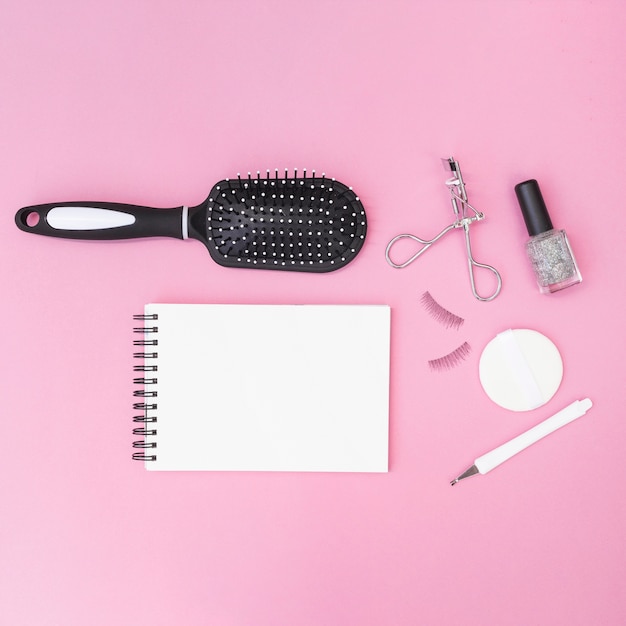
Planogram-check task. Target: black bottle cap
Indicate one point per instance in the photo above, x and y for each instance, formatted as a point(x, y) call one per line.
point(533, 207)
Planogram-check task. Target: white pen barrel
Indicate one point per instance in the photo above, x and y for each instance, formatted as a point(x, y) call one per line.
point(504, 452)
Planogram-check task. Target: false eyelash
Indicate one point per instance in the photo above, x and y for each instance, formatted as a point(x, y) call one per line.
point(451, 360)
point(445, 317)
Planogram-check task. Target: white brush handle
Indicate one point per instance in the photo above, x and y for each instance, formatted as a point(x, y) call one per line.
point(499, 455)
point(87, 218)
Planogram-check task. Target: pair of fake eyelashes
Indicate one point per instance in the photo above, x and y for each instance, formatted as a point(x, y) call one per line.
point(449, 320)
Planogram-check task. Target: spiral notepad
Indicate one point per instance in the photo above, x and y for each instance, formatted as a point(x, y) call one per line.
point(262, 387)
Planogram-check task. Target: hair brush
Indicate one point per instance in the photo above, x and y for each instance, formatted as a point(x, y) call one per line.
point(299, 223)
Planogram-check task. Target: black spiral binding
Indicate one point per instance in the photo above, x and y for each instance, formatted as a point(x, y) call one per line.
point(147, 419)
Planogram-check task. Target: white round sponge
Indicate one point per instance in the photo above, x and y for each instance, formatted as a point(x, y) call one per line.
point(520, 369)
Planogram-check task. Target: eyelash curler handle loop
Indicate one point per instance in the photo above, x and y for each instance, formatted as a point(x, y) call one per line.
point(426, 243)
point(472, 264)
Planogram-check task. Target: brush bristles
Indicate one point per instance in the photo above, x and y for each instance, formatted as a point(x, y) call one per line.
point(292, 222)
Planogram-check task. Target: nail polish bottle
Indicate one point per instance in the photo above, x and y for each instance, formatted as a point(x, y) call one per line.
point(548, 248)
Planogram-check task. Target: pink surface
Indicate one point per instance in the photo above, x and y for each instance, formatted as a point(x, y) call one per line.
point(153, 102)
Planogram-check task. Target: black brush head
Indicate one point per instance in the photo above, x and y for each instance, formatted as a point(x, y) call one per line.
point(307, 224)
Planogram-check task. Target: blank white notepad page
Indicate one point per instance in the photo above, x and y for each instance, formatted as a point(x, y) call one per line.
point(272, 387)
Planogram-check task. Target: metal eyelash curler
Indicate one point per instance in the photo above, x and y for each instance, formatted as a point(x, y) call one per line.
point(458, 197)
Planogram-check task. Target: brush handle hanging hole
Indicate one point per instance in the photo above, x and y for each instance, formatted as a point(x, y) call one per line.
point(31, 219)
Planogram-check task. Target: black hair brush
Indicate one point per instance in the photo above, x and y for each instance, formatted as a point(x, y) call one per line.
point(306, 224)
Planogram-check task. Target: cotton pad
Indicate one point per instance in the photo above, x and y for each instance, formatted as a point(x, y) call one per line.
point(520, 369)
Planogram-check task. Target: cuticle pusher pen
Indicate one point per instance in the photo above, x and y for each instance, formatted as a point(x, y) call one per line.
point(489, 461)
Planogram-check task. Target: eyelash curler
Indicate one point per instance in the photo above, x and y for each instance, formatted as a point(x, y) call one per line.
point(462, 219)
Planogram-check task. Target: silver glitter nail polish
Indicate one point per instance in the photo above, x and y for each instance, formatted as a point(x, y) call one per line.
point(548, 249)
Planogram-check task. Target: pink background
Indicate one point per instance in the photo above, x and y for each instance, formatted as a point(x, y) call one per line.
point(153, 102)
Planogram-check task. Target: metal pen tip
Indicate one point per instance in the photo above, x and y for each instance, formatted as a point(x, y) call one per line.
point(471, 471)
